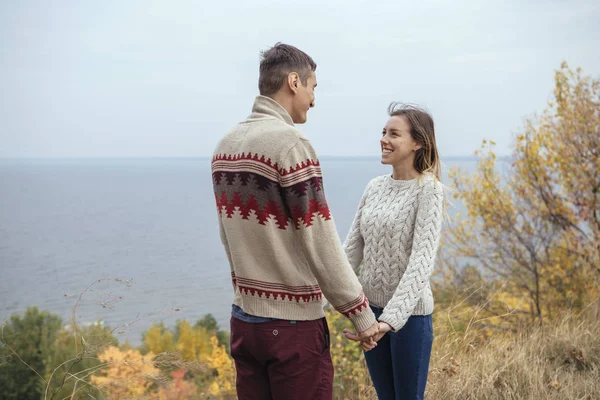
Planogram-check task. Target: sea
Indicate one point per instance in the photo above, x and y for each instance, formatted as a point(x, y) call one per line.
point(131, 242)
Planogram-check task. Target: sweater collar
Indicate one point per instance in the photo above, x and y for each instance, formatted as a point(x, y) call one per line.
point(267, 106)
point(402, 184)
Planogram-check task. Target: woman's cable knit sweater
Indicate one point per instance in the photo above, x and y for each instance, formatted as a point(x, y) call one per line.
point(396, 232)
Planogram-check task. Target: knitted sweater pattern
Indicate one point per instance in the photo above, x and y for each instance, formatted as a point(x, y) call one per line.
point(279, 236)
point(395, 235)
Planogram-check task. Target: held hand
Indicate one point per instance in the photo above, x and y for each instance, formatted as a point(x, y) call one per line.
point(367, 334)
point(372, 342)
point(384, 328)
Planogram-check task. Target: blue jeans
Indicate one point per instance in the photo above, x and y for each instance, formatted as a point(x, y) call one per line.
point(399, 363)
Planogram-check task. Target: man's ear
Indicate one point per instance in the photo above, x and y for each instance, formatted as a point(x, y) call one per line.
point(293, 81)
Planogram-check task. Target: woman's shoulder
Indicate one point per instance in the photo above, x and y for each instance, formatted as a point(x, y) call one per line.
point(378, 179)
point(376, 182)
point(430, 184)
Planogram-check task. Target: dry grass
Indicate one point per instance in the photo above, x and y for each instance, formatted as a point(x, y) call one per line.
point(557, 361)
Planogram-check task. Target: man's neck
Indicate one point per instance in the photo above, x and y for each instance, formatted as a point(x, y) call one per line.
point(283, 100)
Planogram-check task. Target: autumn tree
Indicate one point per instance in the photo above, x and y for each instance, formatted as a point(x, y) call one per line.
point(198, 350)
point(536, 228)
point(158, 339)
point(126, 374)
point(68, 372)
point(223, 384)
point(209, 323)
point(193, 343)
point(179, 388)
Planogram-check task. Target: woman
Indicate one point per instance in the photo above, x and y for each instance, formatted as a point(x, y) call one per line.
point(396, 233)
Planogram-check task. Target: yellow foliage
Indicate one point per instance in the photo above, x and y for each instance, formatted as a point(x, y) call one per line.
point(193, 342)
point(351, 379)
point(536, 229)
point(158, 339)
point(224, 380)
point(127, 374)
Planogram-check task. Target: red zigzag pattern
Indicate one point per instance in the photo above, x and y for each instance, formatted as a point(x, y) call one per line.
point(267, 162)
point(278, 291)
point(271, 209)
point(303, 190)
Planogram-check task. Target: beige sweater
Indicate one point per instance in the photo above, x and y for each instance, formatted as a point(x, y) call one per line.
point(396, 233)
point(279, 236)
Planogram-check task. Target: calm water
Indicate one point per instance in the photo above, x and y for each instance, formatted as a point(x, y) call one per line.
point(65, 224)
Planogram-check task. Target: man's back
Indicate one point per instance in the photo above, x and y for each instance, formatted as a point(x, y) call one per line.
point(268, 189)
point(281, 242)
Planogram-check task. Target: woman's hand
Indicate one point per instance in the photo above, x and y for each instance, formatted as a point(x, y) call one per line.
point(371, 343)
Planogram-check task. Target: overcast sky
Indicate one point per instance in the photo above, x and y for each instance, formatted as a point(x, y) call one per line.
point(169, 78)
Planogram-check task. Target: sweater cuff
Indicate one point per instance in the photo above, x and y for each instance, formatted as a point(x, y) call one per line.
point(392, 320)
point(363, 320)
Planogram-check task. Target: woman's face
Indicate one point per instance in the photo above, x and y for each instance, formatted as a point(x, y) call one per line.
point(397, 144)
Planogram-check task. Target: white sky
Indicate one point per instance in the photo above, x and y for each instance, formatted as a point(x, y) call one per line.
point(169, 78)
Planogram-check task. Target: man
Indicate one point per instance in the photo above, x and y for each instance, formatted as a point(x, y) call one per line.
point(281, 242)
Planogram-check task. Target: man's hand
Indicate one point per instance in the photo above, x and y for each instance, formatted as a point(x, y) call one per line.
point(364, 336)
point(370, 343)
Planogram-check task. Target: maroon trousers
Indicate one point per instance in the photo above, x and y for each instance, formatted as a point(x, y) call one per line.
point(282, 360)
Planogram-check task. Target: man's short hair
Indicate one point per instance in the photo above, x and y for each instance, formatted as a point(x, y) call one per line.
point(278, 62)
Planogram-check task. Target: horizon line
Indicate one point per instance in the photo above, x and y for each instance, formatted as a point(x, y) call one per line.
point(202, 157)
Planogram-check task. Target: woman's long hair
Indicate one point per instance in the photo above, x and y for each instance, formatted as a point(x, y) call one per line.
point(422, 131)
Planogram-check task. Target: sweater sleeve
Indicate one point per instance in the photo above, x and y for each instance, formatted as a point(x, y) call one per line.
point(426, 239)
point(354, 244)
point(303, 195)
point(225, 242)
